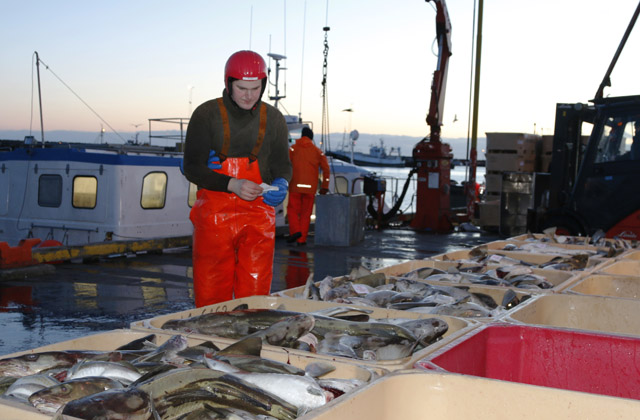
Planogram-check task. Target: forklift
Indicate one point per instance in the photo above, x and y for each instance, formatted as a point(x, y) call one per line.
point(593, 182)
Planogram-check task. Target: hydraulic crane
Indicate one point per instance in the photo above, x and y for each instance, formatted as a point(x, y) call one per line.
point(432, 158)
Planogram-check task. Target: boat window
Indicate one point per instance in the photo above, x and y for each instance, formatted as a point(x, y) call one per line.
point(85, 192)
point(342, 185)
point(154, 190)
point(193, 190)
point(50, 190)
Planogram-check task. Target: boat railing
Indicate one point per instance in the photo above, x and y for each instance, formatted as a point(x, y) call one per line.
point(182, 122)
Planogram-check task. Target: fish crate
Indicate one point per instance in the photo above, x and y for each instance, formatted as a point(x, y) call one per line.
point(111, 340)
point(456, 326)
point(607, 285)
point(631, 254)
point(556, 277)
point(573, 240)
point(622, 267)
point(553, 248)
point(588, 362)
point(416, 394)
point(536, 260)
point(586, 313)
point(489, 212)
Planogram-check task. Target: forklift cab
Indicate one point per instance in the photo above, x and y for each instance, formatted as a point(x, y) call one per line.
point(606, 191)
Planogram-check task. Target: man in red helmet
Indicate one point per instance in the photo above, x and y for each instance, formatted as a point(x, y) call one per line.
point(307, 159)
point(235, 146)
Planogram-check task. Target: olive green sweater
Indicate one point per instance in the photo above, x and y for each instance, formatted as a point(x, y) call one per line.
point(205, 133)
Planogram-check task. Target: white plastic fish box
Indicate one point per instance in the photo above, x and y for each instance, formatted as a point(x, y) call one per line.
point(555, 277)
point(457, 326)
point(631, 254)
point(111, 340)
point(622, 267)
point(415, 394)
point(607, 285)
point(550, 248)
point(564, 239)
point(588, 313)
point(503, 257)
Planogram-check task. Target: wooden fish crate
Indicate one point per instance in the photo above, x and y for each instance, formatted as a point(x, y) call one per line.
point(565, 239)
point(457, 326)
point(418, 394)
point(587, 313)
point(107, 341)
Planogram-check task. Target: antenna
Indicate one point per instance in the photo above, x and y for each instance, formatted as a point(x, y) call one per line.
point(277, 58)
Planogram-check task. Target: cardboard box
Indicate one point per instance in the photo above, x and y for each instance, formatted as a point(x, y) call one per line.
point(106, 341)
point(418, 394)
point(578, 361)
point(457, 326)
point(520, 143)
point(489, 213)
point(587, 313)
point(508, 162)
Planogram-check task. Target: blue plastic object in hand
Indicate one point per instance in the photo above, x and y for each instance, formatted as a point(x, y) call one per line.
point(214, 161)
point(182, 166)
point(273, 198)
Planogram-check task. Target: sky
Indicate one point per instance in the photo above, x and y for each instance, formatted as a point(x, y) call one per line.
point(114, 65)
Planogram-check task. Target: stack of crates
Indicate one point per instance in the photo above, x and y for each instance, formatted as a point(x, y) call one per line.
point(505, 153)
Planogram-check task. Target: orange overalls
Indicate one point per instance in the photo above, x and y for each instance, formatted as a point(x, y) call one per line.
point(233, 239)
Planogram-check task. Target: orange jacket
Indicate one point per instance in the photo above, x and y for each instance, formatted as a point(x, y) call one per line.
point(307, 159)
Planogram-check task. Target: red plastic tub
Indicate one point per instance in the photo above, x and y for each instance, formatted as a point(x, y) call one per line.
point(574, 360)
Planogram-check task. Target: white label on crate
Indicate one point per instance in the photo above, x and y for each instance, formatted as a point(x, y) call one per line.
point(495, 258)
point(361, 289)
point(434, 180)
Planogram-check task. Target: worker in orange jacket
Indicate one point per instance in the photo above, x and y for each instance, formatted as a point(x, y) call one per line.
point(306, 159)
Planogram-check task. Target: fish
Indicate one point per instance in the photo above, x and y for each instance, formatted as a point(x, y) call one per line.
point(167, 352)
point(427, 330)
point(324, 325)
point(139, 343)
point(190, 388)
point(287, 331)
point(50, 399)
point(125, 373)
point(232, 324)
point(208, 412)
point(33, 363)
point(22, 388)
point(112, 404)
point(301, 391)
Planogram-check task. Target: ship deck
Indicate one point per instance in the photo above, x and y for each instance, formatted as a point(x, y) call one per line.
point(81, 297)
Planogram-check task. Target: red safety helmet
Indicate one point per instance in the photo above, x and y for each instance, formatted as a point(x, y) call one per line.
point(245, 65)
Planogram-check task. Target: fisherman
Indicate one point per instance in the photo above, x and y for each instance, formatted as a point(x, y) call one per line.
point(236, 146)
point(306, 159)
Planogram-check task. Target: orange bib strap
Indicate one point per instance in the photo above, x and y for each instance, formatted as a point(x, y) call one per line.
point(261, 131)
point(226, 131)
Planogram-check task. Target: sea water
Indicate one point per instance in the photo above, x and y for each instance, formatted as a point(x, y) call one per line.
point(396, 177)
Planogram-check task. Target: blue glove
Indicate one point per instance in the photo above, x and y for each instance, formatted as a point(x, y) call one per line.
point(214, 161)
point(182, 166)
point(273, 198)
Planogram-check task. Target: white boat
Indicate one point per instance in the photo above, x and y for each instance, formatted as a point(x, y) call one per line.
point(78, 194)
point(377, 156)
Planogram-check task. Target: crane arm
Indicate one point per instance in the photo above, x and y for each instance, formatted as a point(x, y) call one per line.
point(439, 83)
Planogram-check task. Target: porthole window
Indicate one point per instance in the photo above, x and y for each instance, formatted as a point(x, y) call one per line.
point(50, 190)
point(85, 192)
point(154, 190)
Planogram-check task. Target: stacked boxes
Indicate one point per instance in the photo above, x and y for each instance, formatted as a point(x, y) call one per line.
point(505, 153)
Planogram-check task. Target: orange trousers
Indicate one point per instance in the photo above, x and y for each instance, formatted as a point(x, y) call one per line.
point(299, 211)
point(233, 241)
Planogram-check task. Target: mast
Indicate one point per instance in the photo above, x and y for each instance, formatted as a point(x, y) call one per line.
point(39, 96)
